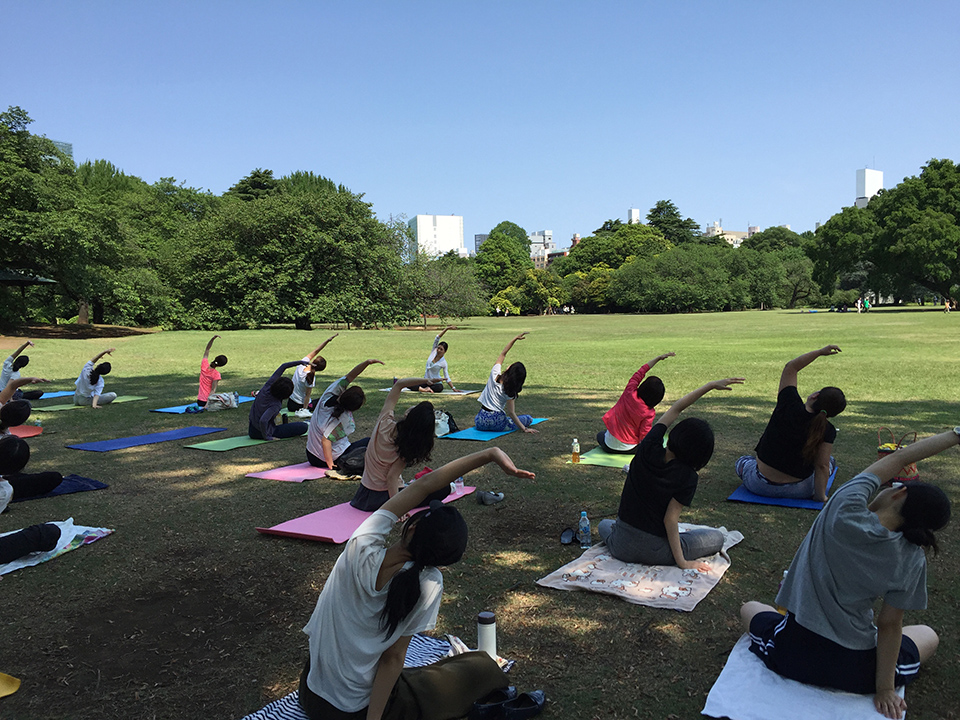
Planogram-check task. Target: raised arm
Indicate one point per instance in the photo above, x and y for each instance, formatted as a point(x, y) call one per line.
point(671, 415)
point(391, 402)
point(448, 327)
point(206, 353)
point(658, 358)
point(788, 377)
point(889, 465)
point(415, 493)
point(279, 371)
point(503, 355)
point(7, 393)
point(105, 352)
point(321, 346)
point(355, 373)
point(28, 343)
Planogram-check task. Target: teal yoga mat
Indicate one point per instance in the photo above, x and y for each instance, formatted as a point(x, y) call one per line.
point(598, 456)
point(483, 435)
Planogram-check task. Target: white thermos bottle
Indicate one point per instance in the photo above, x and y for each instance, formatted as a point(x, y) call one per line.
point(487, 633)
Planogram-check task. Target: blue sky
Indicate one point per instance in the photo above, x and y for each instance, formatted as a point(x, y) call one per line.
point(554, 115)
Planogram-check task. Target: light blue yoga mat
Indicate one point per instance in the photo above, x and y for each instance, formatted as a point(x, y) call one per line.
point(181, 409)
point(483, 435)
point(152, 438)
point(56, 394)
point(741, 494)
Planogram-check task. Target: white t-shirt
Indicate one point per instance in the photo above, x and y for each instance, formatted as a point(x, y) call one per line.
point(436, 370)
point(346, 640)
point(84, 388)
point(324, 425)
point(300, 383)
point(493, 397)
point(6, 494)
point(8, 373)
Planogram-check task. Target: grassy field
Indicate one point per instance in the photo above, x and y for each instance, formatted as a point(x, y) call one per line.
point(186, 612)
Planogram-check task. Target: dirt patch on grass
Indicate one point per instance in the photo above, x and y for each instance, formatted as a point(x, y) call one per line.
point(14, 336)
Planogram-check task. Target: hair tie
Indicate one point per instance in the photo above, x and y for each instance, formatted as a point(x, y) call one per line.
point(824, 412)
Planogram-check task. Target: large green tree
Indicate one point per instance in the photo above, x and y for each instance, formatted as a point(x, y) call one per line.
point(612, 249)
point(514, 231)
point(665, 217)
point(501, 262)
point(773, 239)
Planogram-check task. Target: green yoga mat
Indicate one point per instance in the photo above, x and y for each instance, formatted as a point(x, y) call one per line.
point(232, 443)
point(71, 406)
point(598, 457)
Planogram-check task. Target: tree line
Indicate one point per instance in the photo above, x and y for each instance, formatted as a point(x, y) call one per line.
point(301, 249)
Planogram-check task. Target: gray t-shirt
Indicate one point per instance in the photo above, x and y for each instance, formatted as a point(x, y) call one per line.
point(847, 561)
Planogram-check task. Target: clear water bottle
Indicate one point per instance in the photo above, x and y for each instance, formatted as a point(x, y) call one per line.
point(37, 422)
point(458, 486)
point(584, 530)
point(575, 451)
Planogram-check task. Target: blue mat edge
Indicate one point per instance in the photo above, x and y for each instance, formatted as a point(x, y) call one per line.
point(175, 434)
point(182, 409)
point(90, 484)
point(741, 494)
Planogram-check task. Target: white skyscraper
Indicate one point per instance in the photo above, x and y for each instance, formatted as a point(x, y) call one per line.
point(869, 183)
point(438, 234)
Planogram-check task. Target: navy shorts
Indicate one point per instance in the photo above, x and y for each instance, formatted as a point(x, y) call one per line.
point(790, 650)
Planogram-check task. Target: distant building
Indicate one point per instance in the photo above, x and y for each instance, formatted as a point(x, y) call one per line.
point(541, 244)
point(478, 240)
point(633, 216)
point(869, 183)
point(734, 237)
point(438, 234)
point(64, 147)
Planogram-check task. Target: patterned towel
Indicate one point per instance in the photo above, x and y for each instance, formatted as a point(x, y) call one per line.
point(654, 585)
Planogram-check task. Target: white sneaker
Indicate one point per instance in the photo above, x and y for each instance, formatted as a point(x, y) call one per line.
point(304, 413)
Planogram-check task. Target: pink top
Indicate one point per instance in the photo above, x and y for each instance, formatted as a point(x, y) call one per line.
point(382, 463)
point(207, 376)
point(631, 418)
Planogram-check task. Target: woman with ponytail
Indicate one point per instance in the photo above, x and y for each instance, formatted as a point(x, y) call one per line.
point(332, 419)
point(90, 383)
point(209, 374)
point(378, 596)
point(859, 549)
point(394, 445)
point(795, 453)
point(498, 400)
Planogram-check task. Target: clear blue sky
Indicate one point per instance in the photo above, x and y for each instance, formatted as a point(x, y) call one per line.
point(554, 115)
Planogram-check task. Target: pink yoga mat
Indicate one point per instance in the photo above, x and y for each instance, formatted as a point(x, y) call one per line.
point(291, 473)
point(334, 524)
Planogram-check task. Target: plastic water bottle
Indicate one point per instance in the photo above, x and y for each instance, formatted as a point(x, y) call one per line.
point(458, 486)
point(37, 422)
point(780, 609)
point(575, 451)
point(584, 528)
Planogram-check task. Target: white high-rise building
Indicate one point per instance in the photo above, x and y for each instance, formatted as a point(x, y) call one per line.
point(438, 234)
point(633, 216)
point(869, 183)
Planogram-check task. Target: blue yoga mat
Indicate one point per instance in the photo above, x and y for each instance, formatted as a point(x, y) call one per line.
point(127, 442)
point(483, 435)
point(181, 409)
point(741, 494)
point(70, 484)
point(57, 394)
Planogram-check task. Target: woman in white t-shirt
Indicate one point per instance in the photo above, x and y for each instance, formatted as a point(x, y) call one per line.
point(436, 369)
point(378, 596)
point(90, 383)
point(497, 401)
point(331, 424)
point(304, 378)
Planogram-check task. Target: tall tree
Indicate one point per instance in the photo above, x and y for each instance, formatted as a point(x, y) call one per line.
point(612, 249)
point(514, 231)
point(501, 262)
point(258, 184)
point(665, 217)
point(773, 239)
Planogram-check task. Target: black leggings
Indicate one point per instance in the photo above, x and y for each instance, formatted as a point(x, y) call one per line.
point(35, 538)
point(26, 485)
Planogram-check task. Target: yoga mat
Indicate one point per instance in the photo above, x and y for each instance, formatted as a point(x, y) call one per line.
point(334, 524)
point(71, 484)
point(482, 435)
point(55, 394)
point(741, 494)
point(445, 391)
point(599, 456)
point(747, 690)
point(291, 473)
point(58, 408)
point(661, 586)
point(231, 443)
point(71, 537)
point(151, 439)
point(26, 431)
point(182, 409)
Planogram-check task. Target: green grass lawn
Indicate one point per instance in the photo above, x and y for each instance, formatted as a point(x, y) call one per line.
point(186, 612)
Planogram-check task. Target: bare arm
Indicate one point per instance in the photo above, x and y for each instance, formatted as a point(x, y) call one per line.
point(388, 672)
point(889, 634)
point(391, 402)
point(671, 522)
point(206, 353)
point(503, 355)
point(658, 358)
point(788, 377)
point(512, 413)
point(213, 386)
point(415, 493)
point(327, 451)
point(355, 373)
point(888, 466)
point(7, 393)
point(821, 472)
point(322, 346)
point(28, 343)
point(105, 352)
point(671, 415)
point(448, 327)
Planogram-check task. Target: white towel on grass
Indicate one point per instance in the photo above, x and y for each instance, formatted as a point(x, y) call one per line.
point(748, 690)
point(71, 537)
